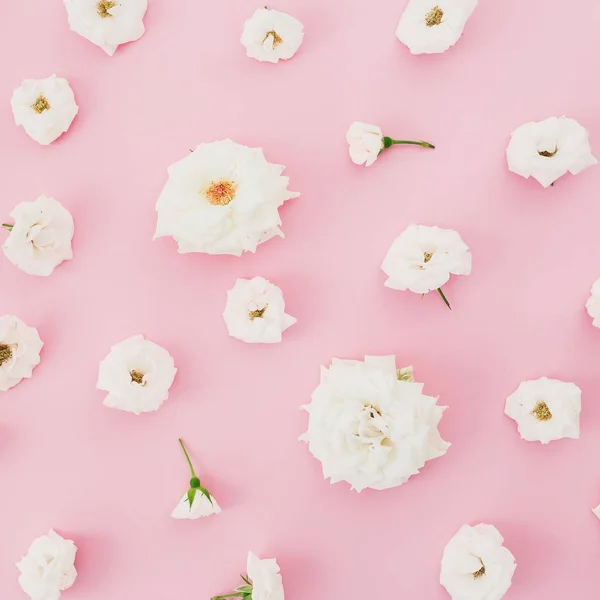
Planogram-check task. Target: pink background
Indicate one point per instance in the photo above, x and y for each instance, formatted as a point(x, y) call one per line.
point(109, 480)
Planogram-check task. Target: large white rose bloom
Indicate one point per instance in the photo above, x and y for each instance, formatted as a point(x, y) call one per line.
point(223, 198)
point(137, 375)
point(20, 348)
point(475, 564)
point(48, 568)
point(107, 23)
point(593, 304)
point(40, 238)
point(267, 583)
point(370, 425)
point(44, 107)
point(545, 410)
point(433, 26)
point(548, 149)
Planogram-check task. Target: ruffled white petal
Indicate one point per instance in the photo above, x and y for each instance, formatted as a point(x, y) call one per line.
point(266, 579)
point(201, 507)
point(365, 142)
point(593, 304)
point(20, 348)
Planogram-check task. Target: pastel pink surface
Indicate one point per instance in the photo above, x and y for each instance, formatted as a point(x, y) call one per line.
point(109, 480)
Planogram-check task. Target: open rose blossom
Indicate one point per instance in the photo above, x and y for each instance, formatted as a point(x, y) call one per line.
point(137, 374)
point(593, 304)
point(40, 238)
point(107, 23)
point(20, 348)
point(44, 107)
point(371, 425)
point(223, 198)
point(433, 26)
point(475, 564)
point(548, 149)
point(545, 410)
point(48, 568)
point(271, 36)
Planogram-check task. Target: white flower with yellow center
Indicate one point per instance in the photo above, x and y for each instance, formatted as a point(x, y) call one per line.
point(40, 238)
point(422, 258)
point(107, 23)
point(371, 425)
point(20, 348)
point(547, 150)
point(593, 304)
point(545, 410)
point(271, 36)
point(433, 26)
point(137, 374)
point(223, 198)
point(45, 108)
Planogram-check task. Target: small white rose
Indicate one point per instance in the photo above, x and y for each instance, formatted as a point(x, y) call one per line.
point(255, 311)
point(548, 149)
point(40, 238)
point(433, 26)
point(596, 511)
point(371, 425)
point(20, 348)
point(593, 304)
point(422, 258)
point(48, 568)
point(271, 36)
point(223, 198)
point(137, 374)
point(545, 410)
point(107, 23)
point(476, 565)
point(44, 107)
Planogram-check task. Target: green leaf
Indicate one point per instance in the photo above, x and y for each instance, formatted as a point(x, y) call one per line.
point(191, 495)
point(244, 589)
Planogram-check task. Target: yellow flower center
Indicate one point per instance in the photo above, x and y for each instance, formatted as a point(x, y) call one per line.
point(5, 353)
point(547, 154)
point(136, 377)
point(276, 38)
point(259, 313)
point(104, 7)
point(427, 256)
point(541, 412)
point(41, 104)
point(434, 16)
point(479, 573)
point(221, 193)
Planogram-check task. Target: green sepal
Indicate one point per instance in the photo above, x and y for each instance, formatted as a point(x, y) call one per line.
point(206, 493)
point(244, 589)
point(191, 494)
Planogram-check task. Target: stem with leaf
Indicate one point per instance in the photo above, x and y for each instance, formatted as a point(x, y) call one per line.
point(195, 485)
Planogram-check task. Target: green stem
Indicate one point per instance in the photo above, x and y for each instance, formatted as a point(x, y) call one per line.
point(388, 141)
point(187, 456)
point(236, 595)
point(444, 298)
point(7, 226)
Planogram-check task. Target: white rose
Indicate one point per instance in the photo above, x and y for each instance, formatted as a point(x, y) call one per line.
point(107, 24)
point(271, 36)
point(368, 427)
point(596, 511)
point(48, 568)
point(19, 351)
point(201, 507)
point(475, 564)
point(267, 583)
point(593, 304)
point(223, 198)
point(548, 149)
point(433, 26)
point(422, 258)
point(44, 107)
point(545, 410)
point(137, 375)
point(255, 311)
point(40, 238)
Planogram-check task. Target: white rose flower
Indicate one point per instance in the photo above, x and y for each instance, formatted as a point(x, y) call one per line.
point(20, 348)
point(422, 258)
point(546, 150)
point(40, 238)
point(48, 568)
point(596, 511)
point(433, 26)
point(475, 564)
point(107, 24)
point(255, 311)
point(593, 304)
point(223, 198)
point(44, 107)
point(271, 36)
point(137, 375)
point(264, 582)
point(366, 142)
point(545, 410)
point(370, 425)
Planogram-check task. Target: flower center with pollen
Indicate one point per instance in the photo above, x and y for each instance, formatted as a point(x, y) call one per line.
point(220, 193)
point(427, 256)
point(104, 7)
point(434, 16)
point(41, 104)
point(479, 573)
point(276, 39)
point(548, 154)
point(259, 313)
point(5, 353)
point(541, 412)
point(137, 377)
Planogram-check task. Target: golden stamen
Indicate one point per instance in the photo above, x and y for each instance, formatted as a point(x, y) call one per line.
point(41, 104)
point(427, 256)
point(541, 412)
point(5, 353)
point(547, 154)
point(276, 38)
point(259, 313)
point(479, 573)
point(434, 16)
point(103, 8)
point(137, 377)
point(221, 193)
